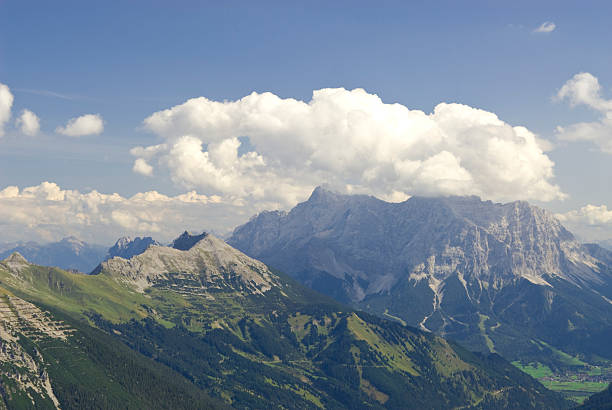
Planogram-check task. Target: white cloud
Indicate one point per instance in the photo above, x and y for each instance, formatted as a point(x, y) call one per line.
point(350, 140)
point(6, 102)
point(48, 212)
point(546, 27)
point(591, 222)
point(141, 167)
point(88, 124)
point(28, 123)
point(584, 89)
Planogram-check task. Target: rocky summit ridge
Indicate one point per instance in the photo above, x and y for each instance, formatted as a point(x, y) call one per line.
point(196, 263)
point(126, 246)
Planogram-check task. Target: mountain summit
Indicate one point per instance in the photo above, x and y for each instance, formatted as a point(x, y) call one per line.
point(195, 263)
point(126, 247)
point(187, 240)
point(493, 276)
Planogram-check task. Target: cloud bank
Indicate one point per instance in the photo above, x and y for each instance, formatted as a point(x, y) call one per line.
point(47, 212)
point(591, 221)
point(349, 140)
point(6, 102)
point(28, 123)
point(88, 124)
point(584, 89)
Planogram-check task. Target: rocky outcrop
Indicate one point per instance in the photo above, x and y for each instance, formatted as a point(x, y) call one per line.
point(187, 240)
point(25, 368)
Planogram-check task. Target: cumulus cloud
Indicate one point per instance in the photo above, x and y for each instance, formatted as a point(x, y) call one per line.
point(48, 212)
point(28, 123)
point(88, 124)
point(6, 102)
point(546, 27)
point(591, 222)
point(141, 167)
point(584, 89)
point(349, 140)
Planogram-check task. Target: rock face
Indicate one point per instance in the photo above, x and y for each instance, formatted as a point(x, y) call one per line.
point(480, 272)
point(127, 247)
point(198, 264)
point(24, 369)
point(69, 253)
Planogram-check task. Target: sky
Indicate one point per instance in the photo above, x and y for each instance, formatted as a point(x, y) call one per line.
point(148, 118)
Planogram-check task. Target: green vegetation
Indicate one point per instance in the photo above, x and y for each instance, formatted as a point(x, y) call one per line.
point(599, 401)
point(576, 385)
point(562, 356)
point(483, 331)
point(535, 370)
point(287, 348)
point(77, 293)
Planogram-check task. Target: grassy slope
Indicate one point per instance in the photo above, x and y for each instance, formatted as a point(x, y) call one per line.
point(277, 349)
point(91, 369)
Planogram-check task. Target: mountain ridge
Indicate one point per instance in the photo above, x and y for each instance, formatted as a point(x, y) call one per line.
point(253, 347)
point(68, 253)
point(494, 277)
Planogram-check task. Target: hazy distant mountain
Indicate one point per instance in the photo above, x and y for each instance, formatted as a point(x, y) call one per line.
point(69, 253)
point(126, 247)
point(496, 277)
point(605, 244)
point(237, 331)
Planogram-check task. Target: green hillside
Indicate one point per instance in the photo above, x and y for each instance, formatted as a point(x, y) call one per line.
point(286, 347)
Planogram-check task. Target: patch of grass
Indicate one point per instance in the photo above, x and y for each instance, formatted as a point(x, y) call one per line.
point(77, 293)
point(587, 387)
point(394, 354)
point(535, 370)
point(483, 332)
point(563, 357)
point(298, 325)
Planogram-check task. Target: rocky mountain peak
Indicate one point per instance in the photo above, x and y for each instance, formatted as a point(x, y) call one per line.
point(15, 262)
point(16, 257)
point(127, 247)
point(321, 193)
point(201, 264)
point(187, 240)
point(496, 241)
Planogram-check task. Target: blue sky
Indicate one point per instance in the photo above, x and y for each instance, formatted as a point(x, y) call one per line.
point(128, 60)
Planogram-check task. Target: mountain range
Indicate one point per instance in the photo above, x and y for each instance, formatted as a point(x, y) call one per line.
point(73, 254)
point(202, 325)
point(505, 278)
point(69, 253)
